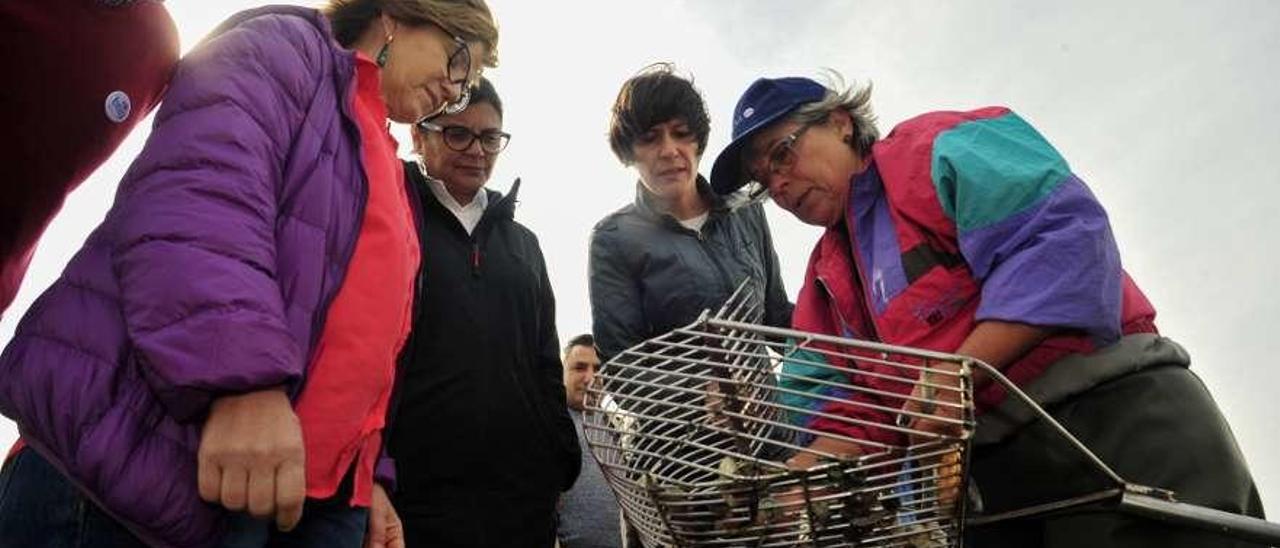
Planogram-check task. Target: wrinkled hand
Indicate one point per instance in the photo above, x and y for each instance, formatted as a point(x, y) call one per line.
point(251, 457)
point(809, 457)
point(938, 388)
point(385, 530)
point(936, 394)
point(792, 502)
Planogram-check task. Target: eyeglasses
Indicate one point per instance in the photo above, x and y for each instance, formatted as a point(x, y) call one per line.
point(459, 67)
point(459, 138)
point(779, 160)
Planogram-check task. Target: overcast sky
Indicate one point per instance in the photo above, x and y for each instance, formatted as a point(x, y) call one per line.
point(1169, 110)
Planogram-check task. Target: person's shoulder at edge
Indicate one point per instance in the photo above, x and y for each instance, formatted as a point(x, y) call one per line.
point(303, 31)
point(616, 219)
point(527, 234)
point(929, 124)
point(753, 209)
point(284, 20)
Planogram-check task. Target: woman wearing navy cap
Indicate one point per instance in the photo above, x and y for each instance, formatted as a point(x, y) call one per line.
point(967, 232)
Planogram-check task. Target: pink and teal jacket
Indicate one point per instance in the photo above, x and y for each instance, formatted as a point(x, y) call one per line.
point(964, 217)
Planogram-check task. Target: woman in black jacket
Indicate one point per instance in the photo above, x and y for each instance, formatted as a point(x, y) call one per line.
point(482, 439)
point(679, 249)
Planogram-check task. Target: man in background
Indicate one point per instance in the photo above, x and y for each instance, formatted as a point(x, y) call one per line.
point(588, 512)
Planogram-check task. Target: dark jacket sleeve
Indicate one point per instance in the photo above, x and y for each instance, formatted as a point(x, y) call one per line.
point(384, 470)
point(777, 309)
point(617, 316)
point(196, 256)
point(550, 372)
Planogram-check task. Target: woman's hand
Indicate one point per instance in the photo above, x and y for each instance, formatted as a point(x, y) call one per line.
point(937, 396)
point(935, 405)
point(385, 529)
point(810, 457)
point(251, 457)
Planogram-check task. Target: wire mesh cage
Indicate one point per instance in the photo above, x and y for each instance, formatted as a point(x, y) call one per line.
point(727, 433)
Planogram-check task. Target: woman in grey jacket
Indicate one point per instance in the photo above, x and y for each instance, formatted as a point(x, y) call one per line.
point(679, 249)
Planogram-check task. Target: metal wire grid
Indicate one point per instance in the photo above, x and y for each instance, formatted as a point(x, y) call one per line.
point(693, 431)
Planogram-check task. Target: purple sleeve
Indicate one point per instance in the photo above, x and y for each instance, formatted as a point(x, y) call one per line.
point(1055, 264)
point(197, 212)
point(1033, 235)
point(384, 472)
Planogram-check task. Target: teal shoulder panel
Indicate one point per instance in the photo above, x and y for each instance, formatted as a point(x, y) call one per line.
point(988, 170)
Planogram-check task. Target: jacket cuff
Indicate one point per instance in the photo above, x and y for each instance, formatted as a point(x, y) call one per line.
point(185, 405)
point(384, 472)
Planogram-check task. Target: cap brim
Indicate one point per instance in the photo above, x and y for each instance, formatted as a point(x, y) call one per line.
point(726, 172)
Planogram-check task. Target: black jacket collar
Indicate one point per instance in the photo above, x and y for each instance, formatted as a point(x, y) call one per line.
point(500, 208)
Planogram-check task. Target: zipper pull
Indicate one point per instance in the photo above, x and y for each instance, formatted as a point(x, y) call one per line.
point(475, 259)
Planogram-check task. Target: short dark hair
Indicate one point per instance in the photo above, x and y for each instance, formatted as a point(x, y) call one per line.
point(653, 96)
point(585, 339)
point(484, 92)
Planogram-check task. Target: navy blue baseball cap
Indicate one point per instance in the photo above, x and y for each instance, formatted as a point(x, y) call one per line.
point(766, 101)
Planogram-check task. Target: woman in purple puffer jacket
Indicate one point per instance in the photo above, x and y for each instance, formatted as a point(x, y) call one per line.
point(193, 344)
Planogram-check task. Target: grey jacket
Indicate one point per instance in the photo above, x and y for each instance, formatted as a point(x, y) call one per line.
point(649, 274)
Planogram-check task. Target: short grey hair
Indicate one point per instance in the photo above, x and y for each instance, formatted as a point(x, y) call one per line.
point(852, 99)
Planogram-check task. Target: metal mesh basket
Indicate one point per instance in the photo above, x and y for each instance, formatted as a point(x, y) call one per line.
point(694, 431)
point(701, 433)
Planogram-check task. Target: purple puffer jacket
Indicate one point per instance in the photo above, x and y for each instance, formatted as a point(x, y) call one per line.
point(210, 275)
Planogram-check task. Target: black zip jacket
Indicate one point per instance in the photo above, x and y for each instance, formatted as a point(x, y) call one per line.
point(481, 403)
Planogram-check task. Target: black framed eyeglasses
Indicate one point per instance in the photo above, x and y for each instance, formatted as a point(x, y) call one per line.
point(780, 158)
point(459, 67)
point(459, 138)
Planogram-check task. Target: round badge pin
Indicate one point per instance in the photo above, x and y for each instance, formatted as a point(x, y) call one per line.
point(118, 106)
